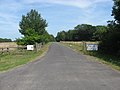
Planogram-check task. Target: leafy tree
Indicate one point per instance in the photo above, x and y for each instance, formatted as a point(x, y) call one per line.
point(82, 32)
point(58, 37)
point(5, 40)
point(61, 36)
point(71, 35)
point(116, 11)
point(111, 42)
point(85, 31)
point(52, 38)
point(100, 32)
point(33, 22)
point(32, 27)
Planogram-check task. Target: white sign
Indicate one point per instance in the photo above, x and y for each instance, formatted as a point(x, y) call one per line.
point(92, 47)
point(30, 47)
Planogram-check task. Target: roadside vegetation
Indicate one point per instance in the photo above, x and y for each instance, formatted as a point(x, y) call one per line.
point(16, 58)
point(8, 44)
point(112, 60)
point(33, 30)
point(108, 37)
point(5, 40)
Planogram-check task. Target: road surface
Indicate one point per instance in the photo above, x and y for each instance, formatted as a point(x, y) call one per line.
point(61, 69)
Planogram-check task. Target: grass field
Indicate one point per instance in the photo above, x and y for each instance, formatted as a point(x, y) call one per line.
point(8, 61)
point(111, 60)
point(8, 44)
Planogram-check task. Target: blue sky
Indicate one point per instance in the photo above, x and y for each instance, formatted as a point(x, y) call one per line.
point(59, 14)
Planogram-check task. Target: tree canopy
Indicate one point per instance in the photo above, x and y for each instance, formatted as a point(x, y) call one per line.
point(5, 40)
point(110, 43)
point(32, 23)
point(82, 32)
point(33, 28)
point(109, 36)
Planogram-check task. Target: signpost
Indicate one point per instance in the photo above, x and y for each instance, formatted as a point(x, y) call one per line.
point(92, 47)
point(30, 47)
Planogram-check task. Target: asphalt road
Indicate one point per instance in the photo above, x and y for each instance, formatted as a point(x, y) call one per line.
point(61, 69)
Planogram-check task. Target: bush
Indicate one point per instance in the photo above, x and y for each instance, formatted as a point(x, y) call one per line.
point(111, 43)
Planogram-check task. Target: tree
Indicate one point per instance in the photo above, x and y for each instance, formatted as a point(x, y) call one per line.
point(71, 35)
point(33, 22)
point(61, 36)
point(32, 27)
point(82, 32)
point(111, 42)
point(52, 38)
point(100, 32)
point(116, 11)
point(5, 40)
point(85, 31)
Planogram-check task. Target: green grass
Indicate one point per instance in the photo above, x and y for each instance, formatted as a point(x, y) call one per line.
point(13, 59)
point(111, 60)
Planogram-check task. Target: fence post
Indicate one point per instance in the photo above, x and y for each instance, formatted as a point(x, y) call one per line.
point(2, 50)
point(7, 49)
point(36, 46)
point(84, 46)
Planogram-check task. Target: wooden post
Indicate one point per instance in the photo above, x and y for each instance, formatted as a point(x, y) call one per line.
point(2, 50)
point(7, 49)
point(84, 46)
point(36, 47)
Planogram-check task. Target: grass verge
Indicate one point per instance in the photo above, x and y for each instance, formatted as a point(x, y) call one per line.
point(111, 60)
point(8, 61)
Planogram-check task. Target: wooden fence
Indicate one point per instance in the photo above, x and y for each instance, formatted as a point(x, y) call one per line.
point(84, 45)
point(37, 47)
point(11, 49)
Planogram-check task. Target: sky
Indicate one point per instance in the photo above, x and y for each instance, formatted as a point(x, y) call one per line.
point(59, 14)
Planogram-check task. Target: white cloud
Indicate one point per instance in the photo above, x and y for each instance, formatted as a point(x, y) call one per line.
point(10, 11)
point(75, 3)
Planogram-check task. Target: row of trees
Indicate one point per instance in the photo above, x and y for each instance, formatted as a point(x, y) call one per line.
point(5, 40)
point(109, 36)
point(111, 41)
point(83, 32)
point(33, 29)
